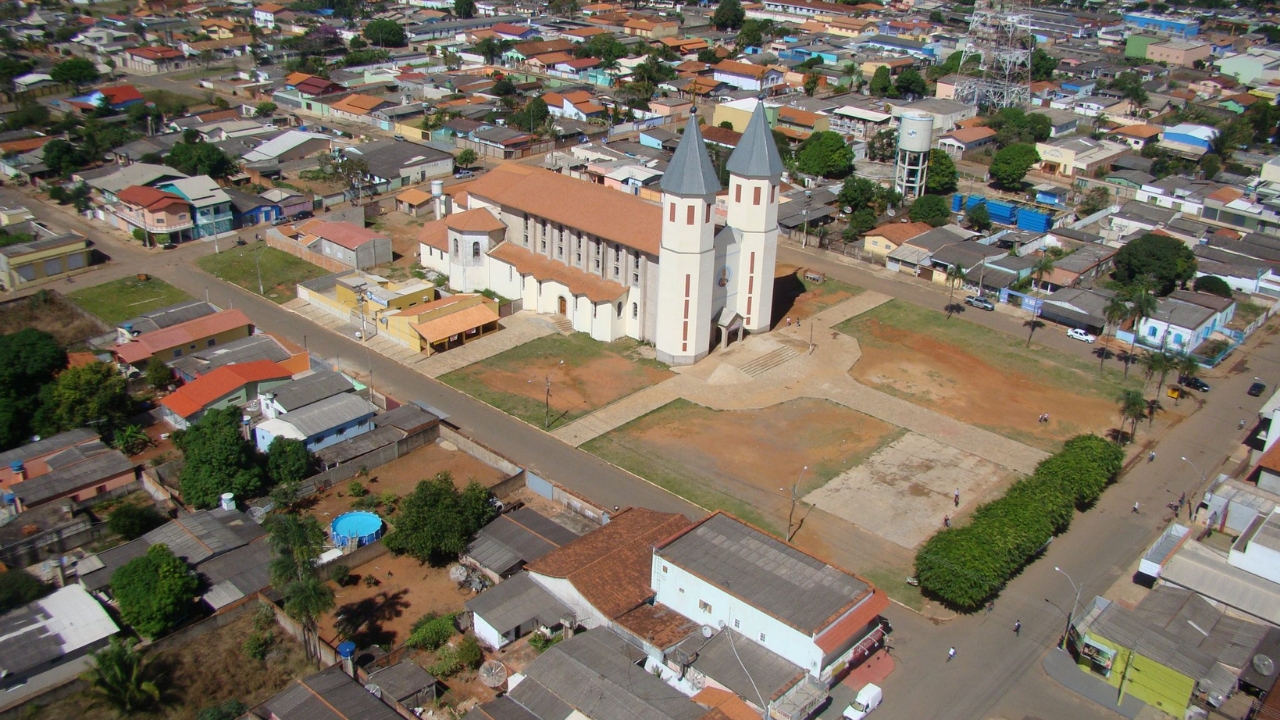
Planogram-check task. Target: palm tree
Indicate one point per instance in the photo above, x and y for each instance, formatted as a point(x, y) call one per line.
point(1142, 304)
point(121, 678)
point(306, 600)
point(1133, 407)
point(297, 542)
point(1116, 310)
point(955, 276)
point(1159, 364)
point(1043, 267)
point(1188, 367)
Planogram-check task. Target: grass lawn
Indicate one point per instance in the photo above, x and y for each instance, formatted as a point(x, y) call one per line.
point(281, 272)
point(126, 298)
point(894, 583)
point(169, 99)
point(585, 375)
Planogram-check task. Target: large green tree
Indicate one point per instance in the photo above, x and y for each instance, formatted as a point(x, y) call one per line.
point(131, 521)
point(931, 209)
point(1167, 260)
point(217, 459)
point(436, 521)
point(882, 82)
point(385, 33)
point(825, 154)
point(1011, 164)
point(201, 158)
point(288, 461)
point(729, 14)
point(121, 678)
point(76, 72)
point(464, 9)
point(92, 395)
point(155, 591)
point(942, 176)
point(19, 587)
point(1042, 65)
point(910, 84)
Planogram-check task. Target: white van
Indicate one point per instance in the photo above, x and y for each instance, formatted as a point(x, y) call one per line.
point(868, 699)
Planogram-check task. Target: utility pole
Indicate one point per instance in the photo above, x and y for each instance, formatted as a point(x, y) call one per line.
point(795, 489)
point(258, 267)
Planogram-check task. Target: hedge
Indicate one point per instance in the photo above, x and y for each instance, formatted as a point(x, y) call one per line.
point(967, 566)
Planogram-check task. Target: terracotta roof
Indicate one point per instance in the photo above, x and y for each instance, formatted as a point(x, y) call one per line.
point(414, 196)
point(148, 344)
point(456, 323)
point(977, 121)
point(269, 8)
point(509, 29)
point(580, 283)
point(797, 116)
point(721, 136)
point(740, 68)
point(838, 635)
point(121, 94)
point(357, 104)
point(970, 134)
point(295, 78)
point(1225, 194)
point(724, 705)
point(586, 32)
point(208, 389)
point(155, 52)
point(348, 235)
point(221, 43)
point(596, 209)
point(898, 233)
point(611, 565)
point(1271, 459)
point(478, 220)
point(25, 145)
point(435, 234)
point(149, 197)
point(1138, 131)
point(552, 58)
point(658, 625)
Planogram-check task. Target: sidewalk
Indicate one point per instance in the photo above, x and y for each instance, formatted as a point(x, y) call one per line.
point(1059, 666)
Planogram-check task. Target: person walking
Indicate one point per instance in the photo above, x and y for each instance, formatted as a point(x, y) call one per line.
point(1017, 628)
point(951, 654)
point(788, 322)
point(946, 521)
point(957, 497)
point(1241, 425)
point(1135, 508)
point(1151, 456)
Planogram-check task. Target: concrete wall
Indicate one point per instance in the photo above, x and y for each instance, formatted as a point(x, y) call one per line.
point(304, 254)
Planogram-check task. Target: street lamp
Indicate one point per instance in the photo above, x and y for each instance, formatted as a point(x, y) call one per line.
point(546, 421)
point(1074, 605)
point(1193, 467)
point(794, 497)
point(258, 267)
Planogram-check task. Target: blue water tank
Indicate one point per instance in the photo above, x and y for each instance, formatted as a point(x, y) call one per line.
point(10, 499)
point(346, 649)
point(16, 466)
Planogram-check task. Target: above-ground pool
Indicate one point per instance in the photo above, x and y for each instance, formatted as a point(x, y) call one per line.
point(356, 529)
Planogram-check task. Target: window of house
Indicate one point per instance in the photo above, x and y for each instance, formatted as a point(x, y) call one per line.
point(737, 624)
point(664, 568)
point(212, 342)
point(704, 606)
point(159, 221)
point(475, 251)
point(761, 637)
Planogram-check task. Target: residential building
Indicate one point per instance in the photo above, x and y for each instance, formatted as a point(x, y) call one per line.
point(1257, 549)
point(1182, 53)
point(163, 318)
point(414, 202)
point(958, 142)
point(886, 238)
point(229, 385)
point(394, 164)
point(746, 76)
point(1256, 65)
point(154, 60)
point(47, 256)
point(262, 346)
point(155, 212)
point(1167, 25)
point(282, 399)
point(1136, 136)
point(79, 473)
point(210, 205)
point(290, 146)
point(1072, 157)
point(357, 108)
point(442, 324)
point(1184, 320)
point(347, 243)
point(32, 459)
point(947, 114)
point(320, 424)
point(514, 608)
point(264, 16)
point(1188, 139)
point(46, 634)
point(512, 540)
point(183, 338)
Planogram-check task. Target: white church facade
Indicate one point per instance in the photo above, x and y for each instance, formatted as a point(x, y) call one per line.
point(618, 266)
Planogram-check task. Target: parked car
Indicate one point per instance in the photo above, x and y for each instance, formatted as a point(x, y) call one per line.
point(463, 174)
point(868, 699)
point(1257, 389)
point(980, 302)
point(1194, 383)
point(304, 215)
point(1078, 334)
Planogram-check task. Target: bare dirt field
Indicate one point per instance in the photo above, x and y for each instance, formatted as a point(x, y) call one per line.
point(383, 614)
point(593, 374)
point(986, 378)
point(797, 298)
point(402, 475)
point(403, 230)
point(52, 313)
point(738, 460)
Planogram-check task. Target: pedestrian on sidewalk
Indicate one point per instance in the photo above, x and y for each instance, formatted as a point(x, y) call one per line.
point(797, 322)
point(946, 521)
point(951, 654)
point(1135, 508)
point(1017, 628)
point(957, 497)
point(1151, 457)
point(1241, 425)
point(788, 322)
point(1182, 500)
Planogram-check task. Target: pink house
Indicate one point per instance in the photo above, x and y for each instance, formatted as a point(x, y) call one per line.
point(154, 211)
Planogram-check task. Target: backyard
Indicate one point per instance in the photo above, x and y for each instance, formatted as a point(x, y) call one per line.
point(736, 460)
point(48, 311)
point(126, 298)
point(584, 375)
point(984, 377)
point(280, 271)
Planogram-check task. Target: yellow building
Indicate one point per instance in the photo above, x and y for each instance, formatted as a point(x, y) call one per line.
point(444, 324)
point(738, 113)
point(885, 239)
point(41, 258)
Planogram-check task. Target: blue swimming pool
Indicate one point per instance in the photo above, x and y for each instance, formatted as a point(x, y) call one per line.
point(356, 528)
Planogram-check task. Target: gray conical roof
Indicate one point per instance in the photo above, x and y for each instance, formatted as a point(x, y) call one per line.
point(756, 155)
point(690, 172)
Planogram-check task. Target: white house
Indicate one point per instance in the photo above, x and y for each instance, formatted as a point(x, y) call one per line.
point(1185, 319)
point(264, 15)
point(1257, 550)
point(746, 76)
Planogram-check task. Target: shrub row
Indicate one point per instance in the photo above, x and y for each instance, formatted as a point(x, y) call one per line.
point(967, 566)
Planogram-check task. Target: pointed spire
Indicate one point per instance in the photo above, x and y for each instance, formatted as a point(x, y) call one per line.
point(756, 155)
point(690, 172)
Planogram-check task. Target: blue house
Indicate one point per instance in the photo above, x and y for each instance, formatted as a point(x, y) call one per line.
point(210, 204)
point(320, 424)
point(248, 210)
point(1177, 26)
point(1196, 136)
point(118, 98)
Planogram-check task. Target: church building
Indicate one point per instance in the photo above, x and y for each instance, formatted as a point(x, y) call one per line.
point(618, 266)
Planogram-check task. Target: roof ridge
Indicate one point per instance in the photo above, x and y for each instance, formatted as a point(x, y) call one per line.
point(756, 154)
point(690, 172)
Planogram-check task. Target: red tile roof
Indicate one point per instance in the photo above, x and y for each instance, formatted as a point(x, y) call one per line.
point(149, 197)
point(155, 52)
point(121, 94)
point(148, 344)
point(208, 389)
point(848, 627)
point(348, 235)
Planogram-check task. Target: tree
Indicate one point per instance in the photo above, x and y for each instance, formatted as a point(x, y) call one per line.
point(1211, 165)
point(298, 542)
point(1213, 284)
point(936, 16)
point(1133, 408)
point(749, 35)
point(931, 209)
point(861, 221)
point(1096, 200)
point(826, 154)
point(92, 395)
point(155, 591)
point(604, 47)
point(464, 9)
point(435, 522)
point(131, 439)
point(1011, 164)
point(563, 8)
point(979, 217)
point(159, 375)
point(122, 679)
point(881, 82)
point(1042, 65)
point(1188, 367)
point(1130, 86)
point(942, 175)
point(955, 279)
point(490, 48)
point(288, 461)
point(351, 172)
point(1230, 138)
point(1043, 266)
point(883, 146)
point(1158, 365)
point(201, 158)
point(131, 521)
point(729, 15)
point(811, 83)
point(19, 587)
point(466, 158)
point(264, 109)
point(76, 72)
point(858, 193)
point(217, 459)
point(531, 116)
point(385, 33)
point(29, 359)
point(206, 58)
point(1115, 312)
point(910, 84)
point(229, 710)
point(62, 157)
point(708, 55)
point(1167, 260)
point(1142, 304)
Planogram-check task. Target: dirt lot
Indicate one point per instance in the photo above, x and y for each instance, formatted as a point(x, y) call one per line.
point(384, 613)
point(593, 375)
point(204, 672)
point(52, 313)
point(402, 475)
point(797, 298)
point(737, 460)
point(403, 230)
point(987, 378)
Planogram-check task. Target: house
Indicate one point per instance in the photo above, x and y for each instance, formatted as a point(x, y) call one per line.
point(1182, 53)
point(281, 399)
point(116, 97)
point(346, 243)
point(886, 238)
point(264, 16)
point(746, 76)
point(442, 324)
point(960, 141)
point(210, 205)
point(78, 473)
point(47, 256)
point(1184, 320)
point(1188, 139)
point(327, 695)
point(414, 202)
point(357, 108)
point(262, 346)
point(228, 385)
point(320, 424)
point(1136, 216)
point(512, 540)
point(1136, 136)
point(1061, 122)
point(183, 338)
point(113, 181)
point(162, 318)
point(290, 202)
point(1072, 156)
point(947, 114)
point(248, 210)
point(394, 164)
point(32, 459)
point(1082, 266)
point(154, 212)
point(290, 146)
point(404, 686)
point(44, 635)
point(515, 608)
point(1078, 308)
point(154, 60)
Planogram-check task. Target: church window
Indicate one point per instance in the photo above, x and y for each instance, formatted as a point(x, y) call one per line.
point(773, 193)
point(755, 199)
point(737, 192)
point(525, 225)
point(475, 251)
point(672, 214)
point(455, 246)
point(708, 218)
point(619, 308)
point(635, 310)
point(690, 215)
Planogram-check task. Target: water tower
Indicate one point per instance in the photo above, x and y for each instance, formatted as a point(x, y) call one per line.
point(915, 136)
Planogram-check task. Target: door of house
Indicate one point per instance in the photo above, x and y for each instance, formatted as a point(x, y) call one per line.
point(564, 306)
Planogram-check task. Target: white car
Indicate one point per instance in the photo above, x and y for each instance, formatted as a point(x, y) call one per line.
point(868, 699)
point(1078, 334)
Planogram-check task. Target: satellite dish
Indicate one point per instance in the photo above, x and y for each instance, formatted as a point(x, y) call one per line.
point(847, 210)
point(1264, 665)
point(891, 212)
point(493, 673)
point(708, 631)
point(457, 573)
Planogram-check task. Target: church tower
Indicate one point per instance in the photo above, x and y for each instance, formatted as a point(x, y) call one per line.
point(687, 254)
point(755, 169)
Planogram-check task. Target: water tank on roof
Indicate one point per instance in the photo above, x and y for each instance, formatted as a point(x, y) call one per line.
point(228, 501)
point(915, 134)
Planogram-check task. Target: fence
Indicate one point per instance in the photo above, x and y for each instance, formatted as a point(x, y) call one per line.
point(52, 543)
point(511, 307)
point(302, 253)
point(573, 501)
point(478, 451)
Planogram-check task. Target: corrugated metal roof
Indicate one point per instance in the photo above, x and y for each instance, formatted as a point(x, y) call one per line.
point(516, 601)
point(312, 388)
point(402, 680)
point(329, 413)
point(328, 695)
point(70, 478)
point(723, 657)
point(515, 538)
point(45, 630)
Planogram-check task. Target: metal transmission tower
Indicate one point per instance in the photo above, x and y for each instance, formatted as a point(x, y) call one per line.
point(1001, 42)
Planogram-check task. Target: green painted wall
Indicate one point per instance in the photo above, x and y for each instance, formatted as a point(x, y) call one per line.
point(1159, 686)
point(1136, 45)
